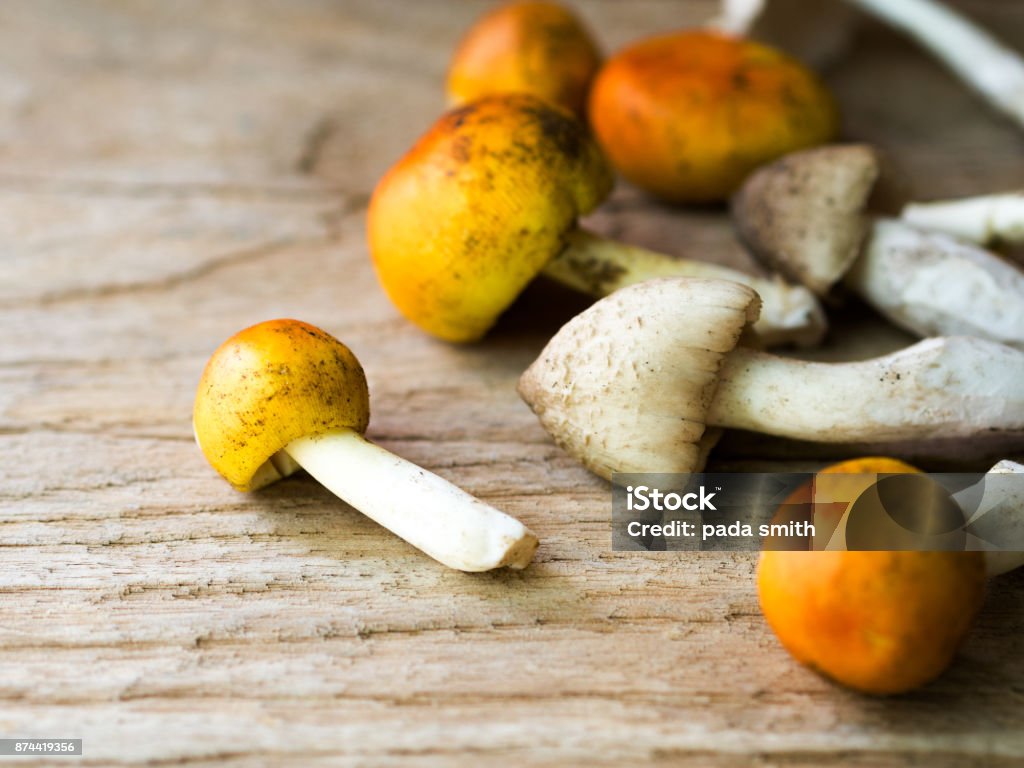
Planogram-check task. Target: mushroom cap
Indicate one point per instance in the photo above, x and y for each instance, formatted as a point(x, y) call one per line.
point(804, 215)
point(532, 47)
point(625, 386)
point(876, 621)
point(462, 223)
point(269, 385)
point(688, 115)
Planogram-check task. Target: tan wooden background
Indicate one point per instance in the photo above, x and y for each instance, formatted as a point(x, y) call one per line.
point(171, 172)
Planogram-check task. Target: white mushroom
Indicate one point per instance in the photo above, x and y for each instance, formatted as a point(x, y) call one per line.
point(986, 65)
point(631, 384)
point(804, 216)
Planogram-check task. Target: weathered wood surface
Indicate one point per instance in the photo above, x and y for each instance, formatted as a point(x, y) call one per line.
point(172, 172)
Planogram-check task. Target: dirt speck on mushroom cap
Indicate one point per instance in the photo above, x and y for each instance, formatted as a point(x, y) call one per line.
point(270, 384)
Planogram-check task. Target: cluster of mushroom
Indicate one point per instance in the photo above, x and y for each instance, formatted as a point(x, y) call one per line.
point(489, 197)
point(670, 355)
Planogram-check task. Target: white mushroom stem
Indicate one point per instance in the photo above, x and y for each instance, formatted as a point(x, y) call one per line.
point(427, 511)
point(982, 219)
point(790, 314)
point(936, 389)
point(999, 516)
point(817, 31)
point(981, 61)
point(934, 284)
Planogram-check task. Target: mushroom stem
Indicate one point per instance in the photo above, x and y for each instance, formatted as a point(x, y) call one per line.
point(597, 266)
point(933, 284)
point(427, 511)
point(980, 60)
point(982, 219)
point(936, 389)
point(1000, 516)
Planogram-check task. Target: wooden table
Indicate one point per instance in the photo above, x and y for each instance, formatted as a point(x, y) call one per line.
point(173, 172)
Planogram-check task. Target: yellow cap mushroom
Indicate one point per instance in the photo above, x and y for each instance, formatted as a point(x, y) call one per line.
point(489, 198)
point(270, 385)
point(284, 394)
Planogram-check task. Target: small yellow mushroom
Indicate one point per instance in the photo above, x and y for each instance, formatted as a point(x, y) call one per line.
point(284, 394)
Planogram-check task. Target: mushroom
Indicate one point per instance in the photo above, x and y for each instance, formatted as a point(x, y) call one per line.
point(489, 198)
point(844, 612)
point(804, 216)
point(284, 394)
point(993, 70)
point(981, 219)
point(632, 383)
point(686, 116)
point(540, 48)
point(880, 622)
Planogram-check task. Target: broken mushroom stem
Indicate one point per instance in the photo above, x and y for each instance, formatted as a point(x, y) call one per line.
point(284, 394)
point(598, 266)
point(981, 219)
point(633, 383)
point(430, 513)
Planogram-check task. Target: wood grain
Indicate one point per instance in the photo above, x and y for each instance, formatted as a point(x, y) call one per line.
point(172, 172)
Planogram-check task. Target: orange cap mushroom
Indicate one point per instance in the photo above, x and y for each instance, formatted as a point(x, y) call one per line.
point(540, 48)
point(879, 622)
point(688, 115)
point(284, 394)
point(489, 197)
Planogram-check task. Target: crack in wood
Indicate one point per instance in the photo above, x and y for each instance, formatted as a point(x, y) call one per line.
point(216, 264)
point(314, 143)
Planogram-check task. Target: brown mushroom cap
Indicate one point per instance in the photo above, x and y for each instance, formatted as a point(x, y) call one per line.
point(626, 385)
point(804, 215)
point(472, 213)
point(269, 385)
